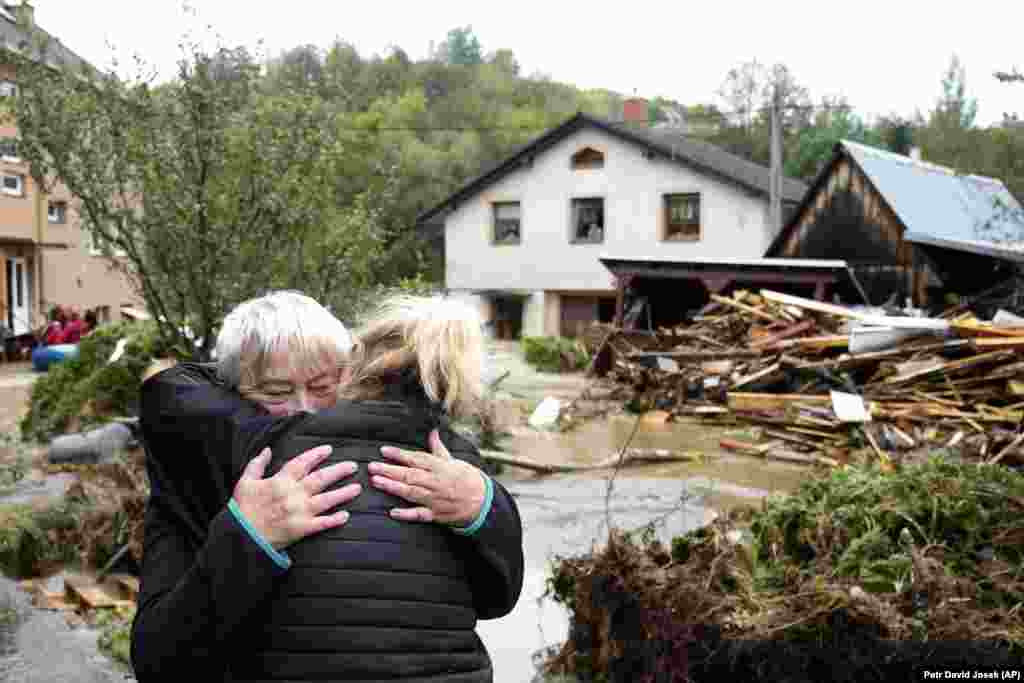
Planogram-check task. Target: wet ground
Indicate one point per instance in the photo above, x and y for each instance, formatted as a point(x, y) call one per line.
point(562, 515)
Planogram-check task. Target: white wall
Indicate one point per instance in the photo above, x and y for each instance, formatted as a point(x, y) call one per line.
point(733, 221)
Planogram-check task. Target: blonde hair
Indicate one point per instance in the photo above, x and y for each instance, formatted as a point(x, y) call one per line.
point(281, 322)
point(440, 339)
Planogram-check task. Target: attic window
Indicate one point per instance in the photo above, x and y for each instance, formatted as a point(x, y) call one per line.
point(587, 158)
point(8, 88)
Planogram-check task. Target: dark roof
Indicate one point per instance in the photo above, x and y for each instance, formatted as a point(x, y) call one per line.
point(931, 201)
point(15, 38)
point(671, 145)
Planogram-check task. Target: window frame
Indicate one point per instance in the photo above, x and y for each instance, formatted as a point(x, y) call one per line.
point(10, 86)
point(495, 206)
point(574, 237)
point(681, 235)
point(19, 192)
point(62, 215)
point(14, 158)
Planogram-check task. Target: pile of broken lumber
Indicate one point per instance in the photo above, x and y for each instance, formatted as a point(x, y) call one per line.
point(821, 381)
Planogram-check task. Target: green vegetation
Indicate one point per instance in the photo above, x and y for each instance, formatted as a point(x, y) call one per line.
point(933, 551)
point(29, 539)
point(116, 634)
point(86, 390)
point(14, 461)
point(555, 354)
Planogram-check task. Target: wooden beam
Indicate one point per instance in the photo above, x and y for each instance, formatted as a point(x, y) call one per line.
point(812, 305)
point(753, 402)
point(725, 301)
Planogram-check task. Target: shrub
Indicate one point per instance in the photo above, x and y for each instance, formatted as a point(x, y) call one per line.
point(555, 354)
point(86, 390)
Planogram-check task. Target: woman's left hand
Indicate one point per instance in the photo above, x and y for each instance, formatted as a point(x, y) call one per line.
point(446, 490)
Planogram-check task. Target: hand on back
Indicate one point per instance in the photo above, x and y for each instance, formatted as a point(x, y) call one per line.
point(290, 505)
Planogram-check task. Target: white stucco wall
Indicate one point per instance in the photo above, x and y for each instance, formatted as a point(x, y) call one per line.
point(733, 220)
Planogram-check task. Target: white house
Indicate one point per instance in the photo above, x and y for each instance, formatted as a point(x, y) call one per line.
point(524, 239)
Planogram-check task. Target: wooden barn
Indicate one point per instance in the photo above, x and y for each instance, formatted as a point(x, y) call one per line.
point(908, 229)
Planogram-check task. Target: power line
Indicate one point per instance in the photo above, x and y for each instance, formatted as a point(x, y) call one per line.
point(710, 116)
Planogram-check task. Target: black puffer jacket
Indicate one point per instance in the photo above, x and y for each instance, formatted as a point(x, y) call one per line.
point(379, 599)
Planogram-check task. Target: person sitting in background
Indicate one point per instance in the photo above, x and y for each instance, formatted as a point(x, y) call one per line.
point(55, 329)
point(90, 321)
point(75, 328)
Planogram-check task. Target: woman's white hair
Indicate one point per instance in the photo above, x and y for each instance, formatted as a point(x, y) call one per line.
point(281, 321)
point(442, 339)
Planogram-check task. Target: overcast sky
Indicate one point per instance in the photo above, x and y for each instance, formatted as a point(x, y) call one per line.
point(884, 56)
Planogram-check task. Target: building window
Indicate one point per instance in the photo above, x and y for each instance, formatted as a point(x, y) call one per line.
point(587, 158)
point(588, 220)
point(8, 88)
point(13, 185)
point(57, 212)
point(507, 223)
point(682, 217)
point(9, 149)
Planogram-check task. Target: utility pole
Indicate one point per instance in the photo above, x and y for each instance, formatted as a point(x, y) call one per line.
point(775, 180)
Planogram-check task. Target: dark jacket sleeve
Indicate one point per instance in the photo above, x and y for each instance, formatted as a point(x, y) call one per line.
point(495, 551)
point(201, 573)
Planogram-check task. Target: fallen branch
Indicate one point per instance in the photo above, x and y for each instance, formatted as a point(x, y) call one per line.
point(632, 456)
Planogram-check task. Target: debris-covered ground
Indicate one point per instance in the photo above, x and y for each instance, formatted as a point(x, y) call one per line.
point(826, 384)
point(862, 575)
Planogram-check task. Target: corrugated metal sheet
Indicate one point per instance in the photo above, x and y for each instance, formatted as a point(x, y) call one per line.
point(934, 201)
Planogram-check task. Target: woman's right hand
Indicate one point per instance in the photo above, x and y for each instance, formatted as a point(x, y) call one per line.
point(289, 506)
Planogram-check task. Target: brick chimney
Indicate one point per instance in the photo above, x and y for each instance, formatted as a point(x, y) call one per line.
point(25, 13)
point(634, 110)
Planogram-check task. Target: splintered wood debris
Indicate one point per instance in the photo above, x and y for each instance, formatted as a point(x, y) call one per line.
point(821, 382)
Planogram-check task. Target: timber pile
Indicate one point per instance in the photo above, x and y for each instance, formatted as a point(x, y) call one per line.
point(820, 382)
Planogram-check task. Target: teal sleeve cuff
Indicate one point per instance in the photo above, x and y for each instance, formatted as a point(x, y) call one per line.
point(484, 509)
point(281, 559)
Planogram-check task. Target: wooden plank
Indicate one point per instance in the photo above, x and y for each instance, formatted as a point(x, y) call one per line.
point(697, 356)
point(773, 369)
point(832, 341)
point(987, 344)
point(811, 305)
point(953, 366)
point(91, 595)
point(127, 584)
point(791, 331)
point(725, 301)
point(741, 401)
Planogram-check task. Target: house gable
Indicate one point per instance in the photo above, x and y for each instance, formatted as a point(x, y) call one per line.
point(629, 188)
point(698, 156)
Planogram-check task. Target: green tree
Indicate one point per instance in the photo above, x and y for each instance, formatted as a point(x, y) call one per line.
point(814, 145)
point(213, 186)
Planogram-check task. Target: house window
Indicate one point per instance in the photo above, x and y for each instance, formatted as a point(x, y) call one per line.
point(587, 158)
point(588, 220)
point(9, 148)
point(682, 217)
point(507, 223)
point(57, 212)
point(13, 185)
point(8, 88)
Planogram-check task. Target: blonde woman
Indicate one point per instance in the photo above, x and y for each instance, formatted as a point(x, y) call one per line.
point(378, 598)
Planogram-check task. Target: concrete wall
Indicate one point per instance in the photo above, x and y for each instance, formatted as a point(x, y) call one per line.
point(733, 221)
